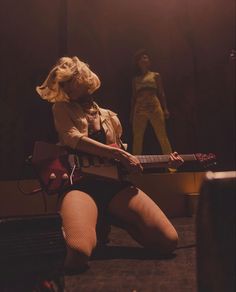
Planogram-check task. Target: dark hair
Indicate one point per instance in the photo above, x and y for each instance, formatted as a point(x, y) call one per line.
point(137, 56)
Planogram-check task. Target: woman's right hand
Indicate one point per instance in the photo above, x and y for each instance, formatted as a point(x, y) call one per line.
point(129, 161)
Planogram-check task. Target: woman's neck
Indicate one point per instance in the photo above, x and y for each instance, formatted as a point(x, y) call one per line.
point(144, 71)
point(84, 100)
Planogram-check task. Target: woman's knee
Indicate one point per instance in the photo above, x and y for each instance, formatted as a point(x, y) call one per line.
point(164, 243)
point(170, 242)
point(76, 261)
point(79, 251)
point(83, 244)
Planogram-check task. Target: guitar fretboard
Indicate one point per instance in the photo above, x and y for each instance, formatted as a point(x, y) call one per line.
point(158, 160)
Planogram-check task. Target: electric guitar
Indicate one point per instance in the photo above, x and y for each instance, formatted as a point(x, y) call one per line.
point(59, 168)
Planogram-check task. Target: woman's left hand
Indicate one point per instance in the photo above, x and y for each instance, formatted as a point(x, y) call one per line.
point(175, 160)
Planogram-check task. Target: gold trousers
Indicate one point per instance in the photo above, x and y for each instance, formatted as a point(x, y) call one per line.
point(157, 121)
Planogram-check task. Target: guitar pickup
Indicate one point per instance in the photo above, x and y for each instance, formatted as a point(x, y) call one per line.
point(89, 160)
point(96, 161)
point(85, 161)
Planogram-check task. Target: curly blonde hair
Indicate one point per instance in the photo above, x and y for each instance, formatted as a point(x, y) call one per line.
point(65, 69)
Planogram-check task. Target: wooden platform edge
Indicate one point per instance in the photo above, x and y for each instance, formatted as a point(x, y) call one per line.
point(170, 191)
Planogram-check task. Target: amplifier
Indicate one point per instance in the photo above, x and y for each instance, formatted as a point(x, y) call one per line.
point(216, 233)
point(31, 245)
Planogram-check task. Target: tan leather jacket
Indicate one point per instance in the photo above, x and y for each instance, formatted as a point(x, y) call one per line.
point(71, 124)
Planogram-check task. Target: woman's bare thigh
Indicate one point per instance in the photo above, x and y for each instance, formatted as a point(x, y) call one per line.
point(79, 215)
point(143, 219)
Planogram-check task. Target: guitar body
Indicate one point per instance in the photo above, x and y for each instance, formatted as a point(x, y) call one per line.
point(52, 167)
point(58, 167)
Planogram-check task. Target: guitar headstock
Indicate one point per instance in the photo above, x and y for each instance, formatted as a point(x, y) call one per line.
point(206, 160)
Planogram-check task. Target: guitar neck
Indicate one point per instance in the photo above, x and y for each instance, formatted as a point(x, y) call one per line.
point(155, 161)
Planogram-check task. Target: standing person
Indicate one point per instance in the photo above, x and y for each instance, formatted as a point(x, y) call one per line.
point(84, 126)
point(148, 104)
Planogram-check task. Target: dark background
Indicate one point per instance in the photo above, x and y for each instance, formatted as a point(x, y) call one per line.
point(189, 41)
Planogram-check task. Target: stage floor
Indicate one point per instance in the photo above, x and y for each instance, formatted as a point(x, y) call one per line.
point(123, 266)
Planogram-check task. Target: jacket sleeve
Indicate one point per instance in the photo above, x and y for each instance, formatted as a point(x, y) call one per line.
point(69, 134)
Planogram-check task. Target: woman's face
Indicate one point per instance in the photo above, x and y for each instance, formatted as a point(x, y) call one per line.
point(144, 62)
point(75, 89)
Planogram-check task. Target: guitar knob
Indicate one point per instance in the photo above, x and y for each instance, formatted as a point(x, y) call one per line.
point(52, 176)
point(65, 176)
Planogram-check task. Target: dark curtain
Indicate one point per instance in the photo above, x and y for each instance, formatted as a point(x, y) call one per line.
point(189, 42)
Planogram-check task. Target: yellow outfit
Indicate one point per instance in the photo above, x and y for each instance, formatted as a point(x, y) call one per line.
point(147, 107)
